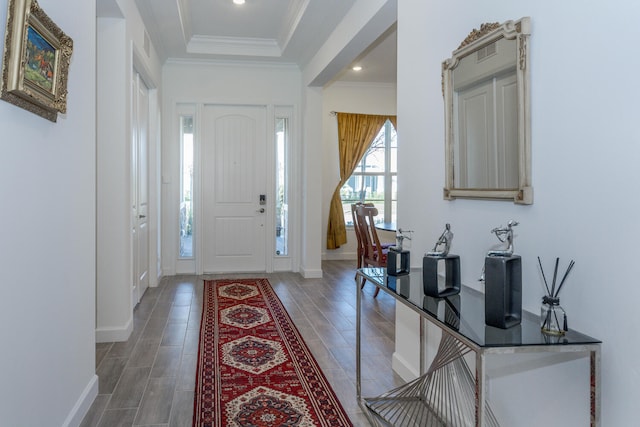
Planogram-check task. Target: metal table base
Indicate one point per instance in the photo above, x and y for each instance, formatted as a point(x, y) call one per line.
point(448, 393)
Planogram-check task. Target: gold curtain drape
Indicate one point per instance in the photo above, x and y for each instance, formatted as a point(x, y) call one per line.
point(355, 134)
point(394, 121)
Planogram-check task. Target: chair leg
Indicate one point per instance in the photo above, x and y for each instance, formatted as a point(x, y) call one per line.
point(375, 294)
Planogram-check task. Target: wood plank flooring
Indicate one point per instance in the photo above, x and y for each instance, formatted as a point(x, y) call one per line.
point(149, 380)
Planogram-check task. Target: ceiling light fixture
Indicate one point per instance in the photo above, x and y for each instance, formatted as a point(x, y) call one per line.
point(357, 68)
point(238, 1)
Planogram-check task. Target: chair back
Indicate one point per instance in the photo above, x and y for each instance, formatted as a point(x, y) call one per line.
point(357, 230)
point(374, 253)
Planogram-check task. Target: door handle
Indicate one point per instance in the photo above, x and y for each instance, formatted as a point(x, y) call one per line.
point(261, 210)
point(142, 216)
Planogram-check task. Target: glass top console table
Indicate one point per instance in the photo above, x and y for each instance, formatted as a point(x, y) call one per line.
point(448, 393)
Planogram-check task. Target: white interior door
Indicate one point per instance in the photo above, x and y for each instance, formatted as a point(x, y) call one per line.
point(477, 136)
point(140, 186)
point(488, 134)
point(233, 164)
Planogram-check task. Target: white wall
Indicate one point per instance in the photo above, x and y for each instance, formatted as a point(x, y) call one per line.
point(120, 38)
point(586, 147)
point(114, 315)
point(373, 98)
point(47, 255)
point(199, 83)
point(311, 194)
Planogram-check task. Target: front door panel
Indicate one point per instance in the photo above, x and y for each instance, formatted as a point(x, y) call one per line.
point(233, 178)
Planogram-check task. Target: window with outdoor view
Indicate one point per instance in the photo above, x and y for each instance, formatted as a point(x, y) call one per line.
point(282, 187)
point(186, 186)
point(374, 179)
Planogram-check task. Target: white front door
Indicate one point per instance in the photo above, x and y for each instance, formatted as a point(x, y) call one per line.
point(234, 165)
point(140, 186)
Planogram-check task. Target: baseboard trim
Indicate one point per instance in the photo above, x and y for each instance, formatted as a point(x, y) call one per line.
point(154, 282)
point(82, 406)
point(402, 368)
point(114, 334)
point(311, 274)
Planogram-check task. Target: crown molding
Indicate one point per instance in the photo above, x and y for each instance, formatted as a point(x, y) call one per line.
point(237, 46)
point(232, 63)
point(297, 11)
point(359, 84)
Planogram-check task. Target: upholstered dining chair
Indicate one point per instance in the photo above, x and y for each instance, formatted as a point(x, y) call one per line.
point(371, 252)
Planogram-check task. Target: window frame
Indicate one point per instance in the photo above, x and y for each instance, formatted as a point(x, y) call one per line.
point(388, 175)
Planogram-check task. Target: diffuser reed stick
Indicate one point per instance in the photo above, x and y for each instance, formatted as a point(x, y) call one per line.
point(571, 264)
point(545, 279)
point(555, 274)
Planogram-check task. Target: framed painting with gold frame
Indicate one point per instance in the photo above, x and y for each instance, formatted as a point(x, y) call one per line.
point(36, 61)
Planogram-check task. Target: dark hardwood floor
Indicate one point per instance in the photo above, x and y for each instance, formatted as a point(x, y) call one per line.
point(149, 380)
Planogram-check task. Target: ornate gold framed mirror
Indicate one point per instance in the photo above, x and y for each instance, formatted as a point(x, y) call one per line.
point(487, 115)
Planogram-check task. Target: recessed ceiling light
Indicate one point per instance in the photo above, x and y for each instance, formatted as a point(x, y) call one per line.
point(357, 68)
point(238, 1)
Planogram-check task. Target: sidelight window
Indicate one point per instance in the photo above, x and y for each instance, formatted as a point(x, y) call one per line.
point(186, 186)
point(282, 186)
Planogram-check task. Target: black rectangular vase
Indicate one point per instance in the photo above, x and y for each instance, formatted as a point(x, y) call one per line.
point(503, 291)
point(431, 280)
point(398, 261)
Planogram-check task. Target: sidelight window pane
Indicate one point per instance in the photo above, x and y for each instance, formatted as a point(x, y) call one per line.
point(282, 188)
point(186, 187)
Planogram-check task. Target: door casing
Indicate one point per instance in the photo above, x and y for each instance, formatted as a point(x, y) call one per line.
point(139, 187)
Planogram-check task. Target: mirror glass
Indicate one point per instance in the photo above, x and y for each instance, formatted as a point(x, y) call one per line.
point(487, 118)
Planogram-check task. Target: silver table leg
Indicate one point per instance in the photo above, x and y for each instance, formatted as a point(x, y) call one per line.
point(595, 386)
point(358, 331)
point(480, 402)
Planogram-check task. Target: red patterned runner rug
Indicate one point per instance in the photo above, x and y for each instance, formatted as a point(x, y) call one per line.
point(254, 368)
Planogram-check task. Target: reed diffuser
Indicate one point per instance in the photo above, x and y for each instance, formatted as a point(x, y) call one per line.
point(553, 318)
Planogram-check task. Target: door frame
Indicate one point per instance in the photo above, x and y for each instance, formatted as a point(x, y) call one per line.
point(177, 265)
point(154, 190)
point(139, 285)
